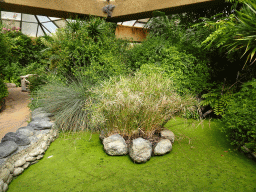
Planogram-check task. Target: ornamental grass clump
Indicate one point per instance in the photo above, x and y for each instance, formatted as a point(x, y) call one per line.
point(66, 101)
point(140, 104)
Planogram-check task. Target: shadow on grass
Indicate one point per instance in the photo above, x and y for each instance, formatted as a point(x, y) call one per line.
point(201, 160)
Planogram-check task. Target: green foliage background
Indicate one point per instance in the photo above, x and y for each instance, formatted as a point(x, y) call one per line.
point(239, 119)
point(88, 45)
point(188, 73)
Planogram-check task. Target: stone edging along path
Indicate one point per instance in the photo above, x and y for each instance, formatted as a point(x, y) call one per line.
point(25, 147)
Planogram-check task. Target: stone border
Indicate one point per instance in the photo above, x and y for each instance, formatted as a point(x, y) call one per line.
point(16, 163)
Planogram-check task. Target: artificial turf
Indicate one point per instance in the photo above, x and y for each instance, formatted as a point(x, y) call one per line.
point(201, 160)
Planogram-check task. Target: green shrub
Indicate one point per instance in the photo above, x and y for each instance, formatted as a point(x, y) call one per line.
point(15, 59)
point(88, 45)
point(4, 52)
point(12, 73)
point(239, 119)
point(22, 48)
point(139, 104)
point(186, 71)
point(35, 82)
point(3, 90)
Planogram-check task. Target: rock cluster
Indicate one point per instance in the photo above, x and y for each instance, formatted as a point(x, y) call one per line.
point(25, 147)
point(140, 150)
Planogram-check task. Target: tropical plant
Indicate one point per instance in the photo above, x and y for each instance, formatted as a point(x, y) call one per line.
point(218, 100)
point(238, 32)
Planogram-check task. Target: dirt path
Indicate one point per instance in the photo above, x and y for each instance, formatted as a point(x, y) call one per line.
point(16, 114)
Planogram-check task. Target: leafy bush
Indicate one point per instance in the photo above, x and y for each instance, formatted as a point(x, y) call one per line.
point(21, 47)
point(186, 71)
point(4, 53)
point(3, 90)
point(93, 48)
point(139, 104)
point(19, 54)
point(239, 119)
point(36, 82)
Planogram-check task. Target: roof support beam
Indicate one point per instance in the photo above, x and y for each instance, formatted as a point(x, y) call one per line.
point(124, 10)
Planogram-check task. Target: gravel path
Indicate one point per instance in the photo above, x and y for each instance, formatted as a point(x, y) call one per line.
point(16, 114)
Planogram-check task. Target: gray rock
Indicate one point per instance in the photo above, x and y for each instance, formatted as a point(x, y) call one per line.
point(39, 136)
point(36, 152)
point(18, 138)
point(41, 119)
point(1, 184)
point(37, 111)
point(44, 145)
point(41, 124)
point(167, 134)
point(17, 171)
point(28, 131)
point(30, 159)
point(162, 147)
point(9, 166)
point(115, 145)
point(46, 137)
point(39, 157)
point(4, 175)
point(25, 166)
point(140, 150)
point(20, 162)
point(9, 180)
point(5, 187)
point(7, 148)
point(41, 116)
point(34, 162)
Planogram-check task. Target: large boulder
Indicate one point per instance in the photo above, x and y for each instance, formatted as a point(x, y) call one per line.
point(140, 150)
point(162, 147)
point(115, 145)
point(40, 124)
point(28, 131)
point(18, 138)
point(167, 134)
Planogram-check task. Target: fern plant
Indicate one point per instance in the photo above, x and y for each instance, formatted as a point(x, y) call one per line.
point(217, 101)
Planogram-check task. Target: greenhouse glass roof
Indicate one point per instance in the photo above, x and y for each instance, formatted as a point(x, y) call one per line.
point(38, 25)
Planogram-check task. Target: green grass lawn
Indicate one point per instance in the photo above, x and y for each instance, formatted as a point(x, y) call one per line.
point(201, 160)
